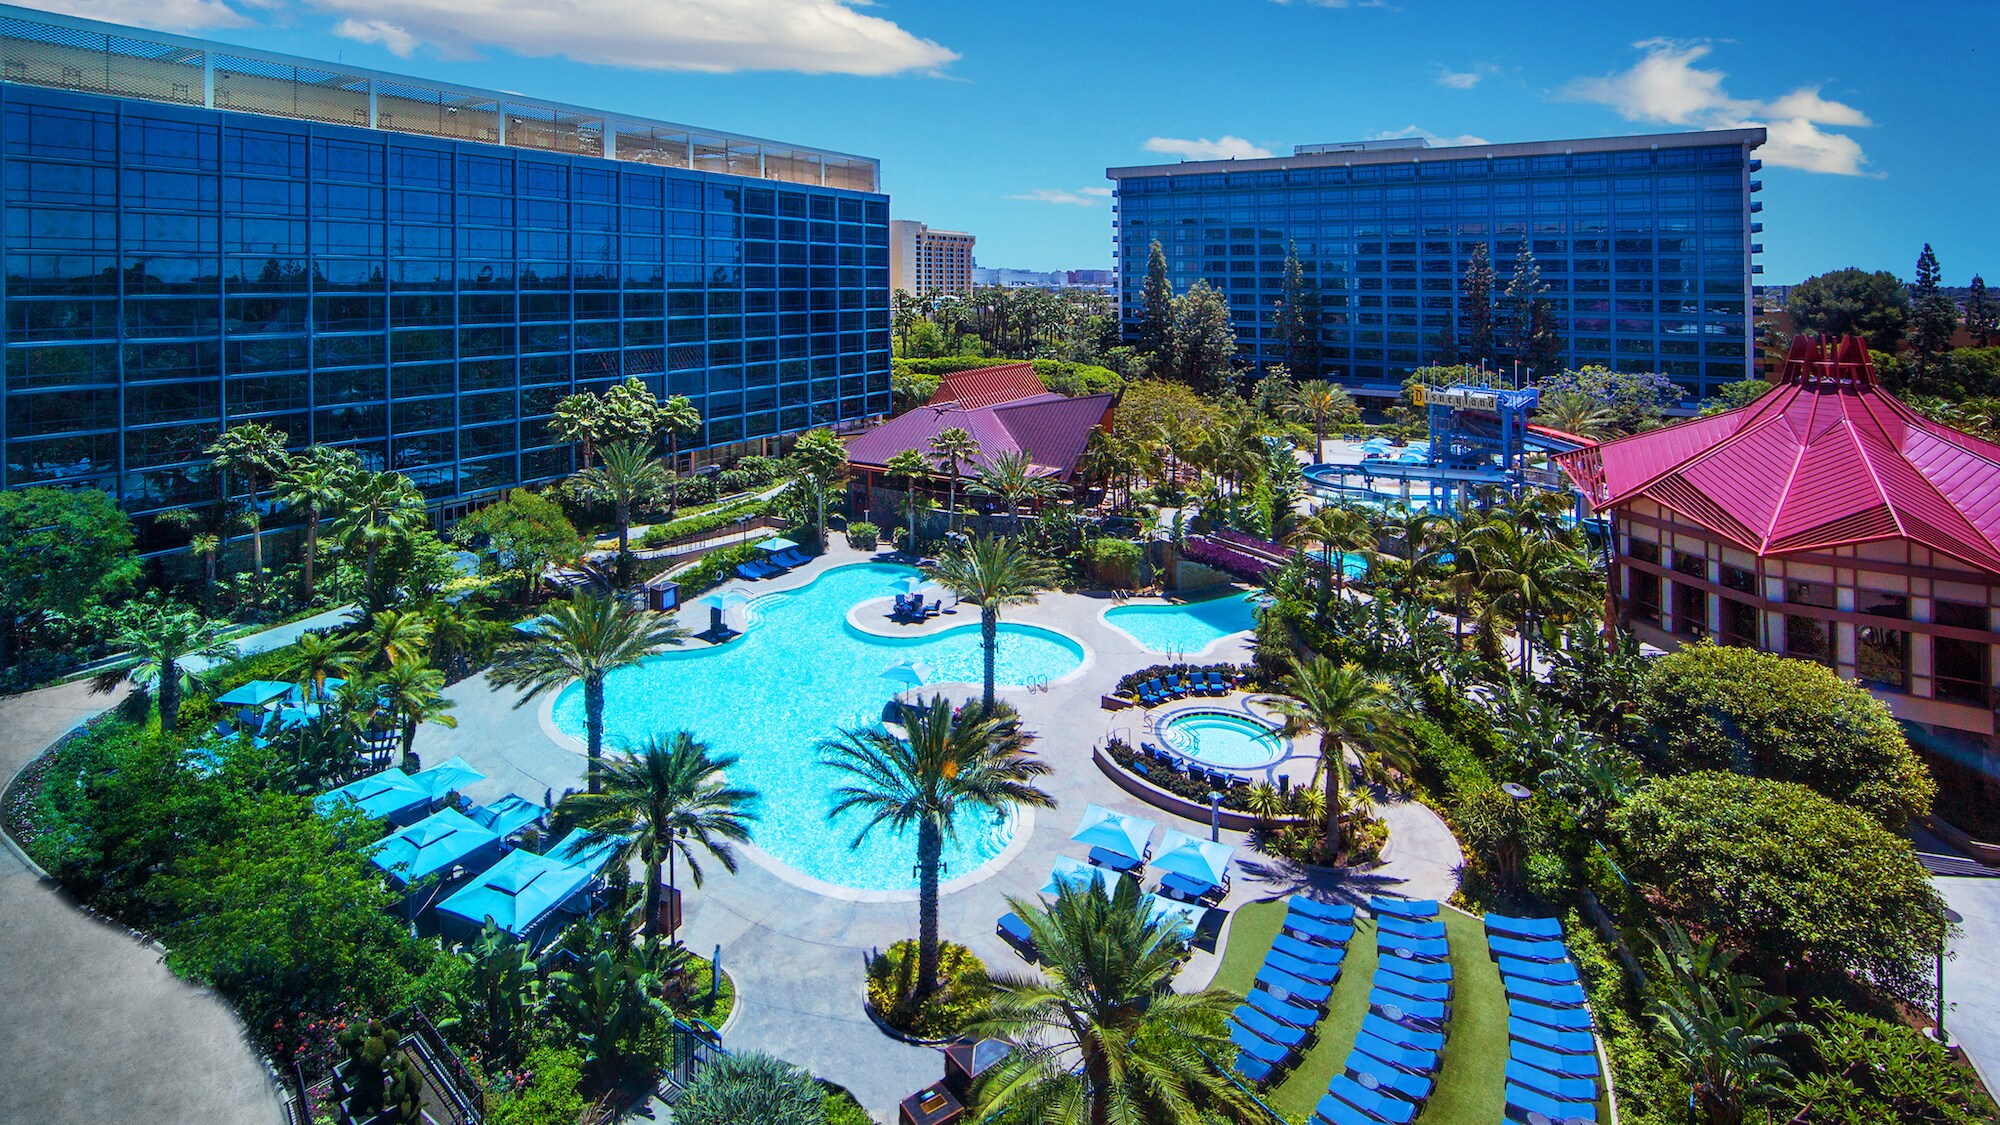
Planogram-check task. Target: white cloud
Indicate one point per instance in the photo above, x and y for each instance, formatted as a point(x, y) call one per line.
point(1227, 148)
point(396, 40)
point(1081, 197)
point(715, 36)
point(1433, 138)
point(1666, 87)
point(171, 15)
point(1465, 79)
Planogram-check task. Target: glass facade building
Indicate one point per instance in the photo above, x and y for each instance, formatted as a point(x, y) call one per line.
point(422, 291)
point(1645, 245)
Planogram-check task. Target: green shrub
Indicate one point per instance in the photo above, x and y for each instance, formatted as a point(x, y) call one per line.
point(549, 1096)
point(744, 1088)
point(1114, 562)
point(842, 1109)
point(716, 567)
point(862, 535)
point(1874, 1070)
point(962, 990)
point(661, 534)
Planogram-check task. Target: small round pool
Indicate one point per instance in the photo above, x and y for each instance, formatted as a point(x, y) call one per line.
point(1223, 740)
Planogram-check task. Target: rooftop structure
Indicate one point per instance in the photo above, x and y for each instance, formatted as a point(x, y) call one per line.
point(984, 386)
point(1048, 429)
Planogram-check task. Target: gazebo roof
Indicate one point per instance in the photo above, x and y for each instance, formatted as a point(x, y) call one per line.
point(1827, 459)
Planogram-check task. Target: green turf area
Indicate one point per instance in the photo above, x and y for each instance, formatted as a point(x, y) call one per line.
point(1471, 1080)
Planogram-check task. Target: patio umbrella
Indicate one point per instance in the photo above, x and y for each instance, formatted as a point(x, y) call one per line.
point(447, 777)
point(256, 693)
point(298, 715)
point(776, 546)
point(1204, 860)
point(912, 673)
point(726, 599)
point(1077, 876)
point(1114, 832)
point(1183, 915)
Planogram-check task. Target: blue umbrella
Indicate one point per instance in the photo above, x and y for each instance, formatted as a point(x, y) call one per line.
point(447, 777)
point(1114, 832)
point(1077, 876)
point(1201, 860)
point(256, 693)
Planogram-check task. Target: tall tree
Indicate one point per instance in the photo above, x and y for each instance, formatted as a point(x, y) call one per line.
point(1202, 343)
point(1012, 479)
point(1530, 321)
point(1475, 309)
point(413, 693)
point(1156, 303)
point(583, 639)
point(975, 761)
point(316, 656)
point(822, 458)
point(316, 482)
point(993, 574)
point(381, 511)
point(1933, 316)
point(574, 420)
point(162, 635)
point(1982, 315)
point(1853, 302)
point(666, 798)
point(1322, 402)
point(254, 453)
point(626, 474)
point(1527, 576)
point(910, 467)
point(1101, 1037)
point(63, 552)
point(953, 449)
point(1345, 705)
point(1299, 318)
point(677, 416)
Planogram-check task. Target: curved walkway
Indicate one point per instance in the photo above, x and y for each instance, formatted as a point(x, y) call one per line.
point(93, 1028)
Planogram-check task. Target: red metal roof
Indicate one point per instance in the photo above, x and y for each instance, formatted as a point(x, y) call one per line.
point(1049, 429)
point(987, 386)
point(1828, 459)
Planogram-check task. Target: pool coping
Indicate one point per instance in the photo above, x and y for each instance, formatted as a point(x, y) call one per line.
point(1213, 706)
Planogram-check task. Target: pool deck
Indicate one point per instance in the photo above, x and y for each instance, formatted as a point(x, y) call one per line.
point(797, 954)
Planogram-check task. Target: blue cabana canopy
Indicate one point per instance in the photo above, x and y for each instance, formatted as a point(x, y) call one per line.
point(1114, 832)
point(298, 714)
point(533, 626)
point(776, 546)
point(1202, 860)
point(507, 815)
point(256, 693)
point(435, 844)
point(447, 777)
point(391, 794)
point(574, 850)
point(522, 893)
point(1077, 875)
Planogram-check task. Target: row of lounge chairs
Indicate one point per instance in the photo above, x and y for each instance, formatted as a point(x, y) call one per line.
point(1214, 778)
point(772, 565)
point(1180, 685)
point(1393, 1067)
point(1552, 1067)
point(1275, 1025)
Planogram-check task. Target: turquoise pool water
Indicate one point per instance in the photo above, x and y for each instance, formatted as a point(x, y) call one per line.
point(1186, 628)
point(1230, 742)
point(801, 673)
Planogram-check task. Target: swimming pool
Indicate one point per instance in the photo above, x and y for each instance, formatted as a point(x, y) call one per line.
point(801, 673)
point(1223, 740)
point(1184, 628)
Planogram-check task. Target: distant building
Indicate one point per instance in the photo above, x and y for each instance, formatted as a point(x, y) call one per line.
point(922, 259)
point(1018, 279)
point(1093, 279)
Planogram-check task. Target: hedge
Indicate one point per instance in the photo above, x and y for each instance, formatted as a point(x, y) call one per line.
point(716, 568)
point(662, 533)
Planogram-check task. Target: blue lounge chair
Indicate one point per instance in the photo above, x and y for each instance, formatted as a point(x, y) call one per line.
point(1400, 1035)
point(1551, 1039)
point(1382, 1106)
point(750, 571)
point(1324, 911)
point(1279, 1032)
point(1278, 981)
point(933, 607)
point(1534, 1101)
point(1408, 1008)
point(1298, 1015)
point(1415, 1087)
point(1437, 991)
point(1527, 929)
point(1302, 968)
point(1333, 1111)
point(1174, 686)
point(791, 556)
point(1436, 972)
point(1254, 1069)
point(1397, 1055)
point(1561, 1019)
point(1404, 927)
point(1421, 949)
point(1193, 890)
point(1550, 995)
point(1527, 950)
point(1415, 909)
point(1158, 689)
point(1123, 864)
point(1558, 972)
point(1319, 930)
point(1555, 1062)
point(1308, 951)
point(1217, 685)
point(1554, 1085)
point(1015, 931)
point(1258, 1047)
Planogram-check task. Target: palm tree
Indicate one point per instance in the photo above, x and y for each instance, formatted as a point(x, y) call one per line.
point(665, 798)
point(380, 511)
point(207, 543)
point(1101, 1036)
point(910, 467)
point(412, 692)
point(162, 634)
point(953, 449)
point(1344, 705)
point(253, 451)
point(822, 462)
point(316, 483)
point(396, 636)
point(1320, 401)
point(1011, 478)
point(626, 471)
point(1527, 576)
point(1722, 1028)
point(1340, 531)
point(677, 416)
point(993, 574)
point(315, 656)
point(585, 638)
point(1576, 412)
point(974, 761)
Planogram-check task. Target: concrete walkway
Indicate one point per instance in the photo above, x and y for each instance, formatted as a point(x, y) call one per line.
point(281, 635)
point(93, 1028)
point(798, 954)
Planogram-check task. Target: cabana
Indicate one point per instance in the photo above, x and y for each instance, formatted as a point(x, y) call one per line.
point(389, 795)
point(1077, 876)
point(507, 815)
point(447, 777)
point(1116, 840)
point(524, 894)
point(433, 846)
point(1191, 867)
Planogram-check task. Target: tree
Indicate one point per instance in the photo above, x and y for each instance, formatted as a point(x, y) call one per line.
point(1202, 342)
point(1011, 479)
point(993, 574)
point(1714, 707)
point(1156, 304)
point(1575, 412)
point(1982, 314)
point(1475, 310)
point(1299, 318)
point(1933, 316)
point(395, 636)
point(1634, 399)
point(1798, 882)
point(973, 762)
point(1722, 1028)
point(1340, 531)
point(1322, 402)
point(1344, 705)
point(63, 552)
point(1731, 396)
point(316, 482)
point(574, 420)
point(412, 692)
point(583, 639)
point(1531, 333)
point(822, 459)
point(953, 449)
point(314, 657)
point(904, 313)
point(677, 416)
point(669, 797)
point(382, 511)
point(744, 1087)
point(627, 473)
point(1527, 577)
point(162, 634)
point(1873, 1070)
point(1101, 1036)
point(632, 413)
point(909, 467)
point(522, 535)
point(255, 452)
point(612, 995)
point(1852, 302)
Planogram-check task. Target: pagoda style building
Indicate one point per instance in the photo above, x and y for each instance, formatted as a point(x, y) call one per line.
point(1825, 521)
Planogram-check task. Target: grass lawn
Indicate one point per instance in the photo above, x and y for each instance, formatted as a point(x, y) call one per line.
point(1471, 1080)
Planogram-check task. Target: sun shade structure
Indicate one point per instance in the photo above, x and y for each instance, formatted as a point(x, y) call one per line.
point(1201, 860)
point(1048, 430)
point(447, 777)
point(1114, 832)
point(327, 690)
point(915, 673)
point(579, 851)
point(435, 845)
point(776, 546)
point(526, 894)
point(391, 795)
point(1077, 876)
point(256, 693)
point(507, 815)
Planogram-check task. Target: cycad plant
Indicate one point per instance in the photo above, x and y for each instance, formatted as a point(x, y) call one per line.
point(162, 635)
point(1721, 1027)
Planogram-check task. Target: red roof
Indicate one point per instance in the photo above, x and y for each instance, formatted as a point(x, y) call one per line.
point(1048, 429)
point(1828, 459)
point(988, 386)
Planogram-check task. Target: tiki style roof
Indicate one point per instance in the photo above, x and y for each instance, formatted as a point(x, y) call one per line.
point(1048, 429)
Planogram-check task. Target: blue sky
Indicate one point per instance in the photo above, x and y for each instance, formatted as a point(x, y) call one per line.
point(1000, 117)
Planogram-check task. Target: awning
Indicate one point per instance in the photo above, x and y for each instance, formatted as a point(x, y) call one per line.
point(1114, 832)
point(518, 893)
point(1077, 876)
point(578, 850)
point(447, 777)
point(436, 843)
point(1201, 860)
point(776, 546)
point(507, 815)
point(256, 693)
point(390, 794)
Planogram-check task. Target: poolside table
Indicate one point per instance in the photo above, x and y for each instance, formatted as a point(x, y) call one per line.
point(932, 1105)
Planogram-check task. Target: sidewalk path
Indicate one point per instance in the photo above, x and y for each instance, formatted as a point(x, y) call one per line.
point(281, 635)
point(93, 1028)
